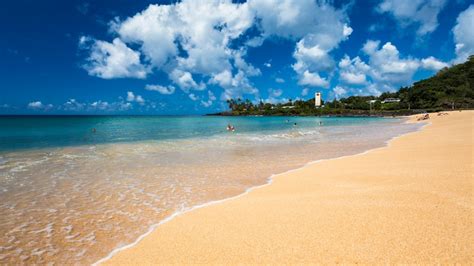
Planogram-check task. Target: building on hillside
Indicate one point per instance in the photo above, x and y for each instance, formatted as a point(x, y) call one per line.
point(317, 99)
point(391, 100)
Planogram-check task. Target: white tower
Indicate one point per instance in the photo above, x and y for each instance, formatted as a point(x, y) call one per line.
point(317, 99)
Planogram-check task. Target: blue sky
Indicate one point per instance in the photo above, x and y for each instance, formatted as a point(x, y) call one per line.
point(188, 57)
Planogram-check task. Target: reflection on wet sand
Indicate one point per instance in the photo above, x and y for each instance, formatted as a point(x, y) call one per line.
point(76, 204)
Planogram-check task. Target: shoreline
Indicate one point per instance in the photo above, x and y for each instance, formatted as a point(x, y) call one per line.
point(148, 189)
point(346, 113)
point(149, 249)
point(48, 148)
point(154, 227)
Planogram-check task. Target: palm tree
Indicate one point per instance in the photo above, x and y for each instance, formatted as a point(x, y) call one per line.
point(231, 103)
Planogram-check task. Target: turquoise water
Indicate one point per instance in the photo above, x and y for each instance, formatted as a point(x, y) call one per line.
point(71, 196)
point(58, 131)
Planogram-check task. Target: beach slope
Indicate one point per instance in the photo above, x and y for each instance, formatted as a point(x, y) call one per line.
point(410, 202)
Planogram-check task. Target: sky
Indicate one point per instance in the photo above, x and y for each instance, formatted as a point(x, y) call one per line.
point(188, 57)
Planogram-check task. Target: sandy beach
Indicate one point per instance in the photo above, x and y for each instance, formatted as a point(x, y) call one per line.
point(409, 202)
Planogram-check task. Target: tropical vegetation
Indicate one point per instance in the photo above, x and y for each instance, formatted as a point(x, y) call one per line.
point(450, 88)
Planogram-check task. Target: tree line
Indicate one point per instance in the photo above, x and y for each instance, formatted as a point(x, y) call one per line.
point(450, 88)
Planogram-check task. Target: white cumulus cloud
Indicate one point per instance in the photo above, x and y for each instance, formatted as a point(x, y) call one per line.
point(464, 34)
point(73, 105)
point(131, 97)
point(113, 60)
point(432, 63)
point(422, 13)
point(339, 91)
point(325, 27)
point(99, 105)
point(313, 80)
point(38, 105)
point(193, 42)
point(160, 29)
point(386, 70)
point(185, 80)
point(35, 105)
point(202, 44)
point(386, 64)
point(275, 92)
point(104, 106)
point(193, 97)
point(210, 99)
point(353, 71)
point(296, 18)
point(274, 96)
point(139, 99)
point(161, 89)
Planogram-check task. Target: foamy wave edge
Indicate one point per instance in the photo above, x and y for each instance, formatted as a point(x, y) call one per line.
point(248, 190)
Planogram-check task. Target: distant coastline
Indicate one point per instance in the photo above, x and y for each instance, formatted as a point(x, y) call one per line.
point(352, 113)
point(449, 89)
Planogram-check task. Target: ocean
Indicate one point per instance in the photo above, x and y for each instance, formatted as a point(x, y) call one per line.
point(74, 188)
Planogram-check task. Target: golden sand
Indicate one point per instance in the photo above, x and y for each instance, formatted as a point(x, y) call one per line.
point(410, 202)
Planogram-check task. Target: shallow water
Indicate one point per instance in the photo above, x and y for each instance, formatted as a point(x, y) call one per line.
point(68, 195)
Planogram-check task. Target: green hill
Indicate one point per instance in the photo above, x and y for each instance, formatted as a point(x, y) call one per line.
point(450, 88)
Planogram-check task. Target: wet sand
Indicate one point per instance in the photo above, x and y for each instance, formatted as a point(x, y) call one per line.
point(410, 202)
point(74, 204)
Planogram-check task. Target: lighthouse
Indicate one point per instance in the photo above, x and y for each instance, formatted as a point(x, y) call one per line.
point(317, 99)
